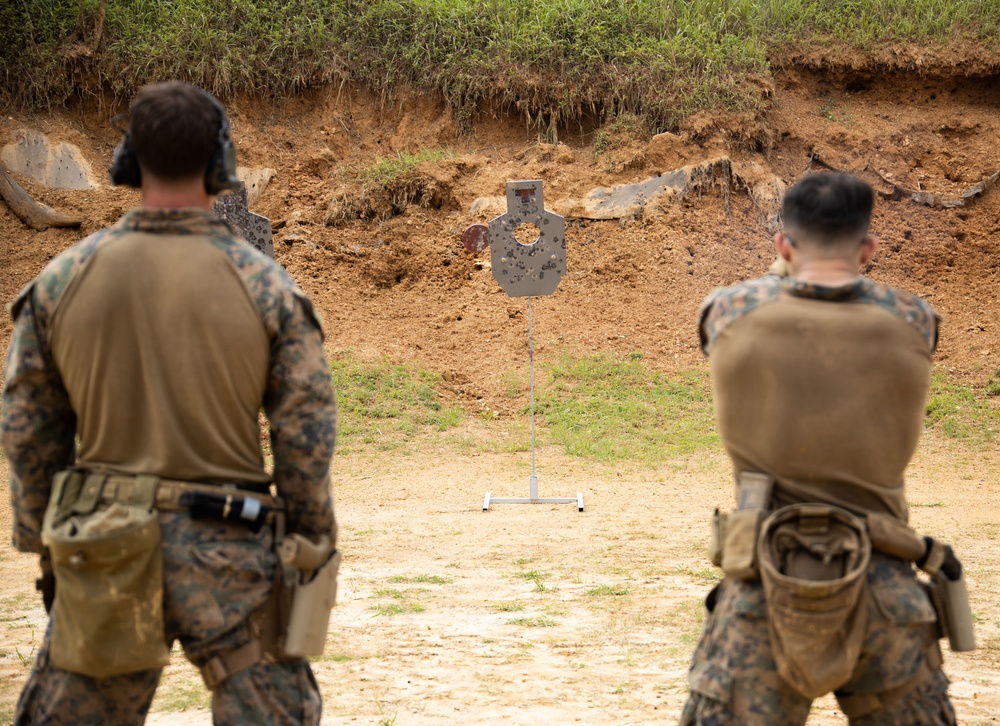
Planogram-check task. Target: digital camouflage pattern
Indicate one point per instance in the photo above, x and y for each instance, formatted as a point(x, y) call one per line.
point(37, 423)
point(216, 575)
point(725, 306)
point(734, 680)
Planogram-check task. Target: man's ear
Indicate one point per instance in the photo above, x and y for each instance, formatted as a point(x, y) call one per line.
point(783, 244)
point(868, 248)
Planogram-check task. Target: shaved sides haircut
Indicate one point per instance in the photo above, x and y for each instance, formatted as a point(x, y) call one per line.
point(828, 209)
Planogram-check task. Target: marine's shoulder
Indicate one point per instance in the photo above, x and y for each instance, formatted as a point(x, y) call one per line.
point(724, 305)
point(277, 296)
point(906, 305)
point(47, 289)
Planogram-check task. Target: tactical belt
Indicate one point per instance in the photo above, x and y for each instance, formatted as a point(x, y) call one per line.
point(170, 492)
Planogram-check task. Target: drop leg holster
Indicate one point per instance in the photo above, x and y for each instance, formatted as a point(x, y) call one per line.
point(292, 623)
point(266, 625)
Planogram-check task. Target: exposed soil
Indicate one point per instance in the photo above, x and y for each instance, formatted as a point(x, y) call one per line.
point(407, 289)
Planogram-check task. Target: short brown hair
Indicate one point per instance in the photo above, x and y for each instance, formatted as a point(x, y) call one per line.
point(174, 129)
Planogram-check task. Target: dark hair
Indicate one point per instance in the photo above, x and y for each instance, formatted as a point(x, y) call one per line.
point(829, 207)
point(174, 129)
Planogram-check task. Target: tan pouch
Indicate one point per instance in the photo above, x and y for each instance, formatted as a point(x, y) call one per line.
point(739, 543)
point(107, 618)
point(718, 537)
point(813, 566)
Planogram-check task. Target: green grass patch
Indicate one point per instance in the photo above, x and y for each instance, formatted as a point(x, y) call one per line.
point(385, 404)
point(398, 608)
point(614, 409)
point(432, 579)
point(539, 622)
point(958, 412)
point(181, 696)
point(536, 577)
point(556, 62)
point(607, 591)
point(508, 607)
point(386, 188)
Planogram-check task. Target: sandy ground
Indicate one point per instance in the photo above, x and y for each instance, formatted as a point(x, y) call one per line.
point(531, 614)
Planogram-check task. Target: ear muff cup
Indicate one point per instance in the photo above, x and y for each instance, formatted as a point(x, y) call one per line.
point(124, 169)
point(220, 173)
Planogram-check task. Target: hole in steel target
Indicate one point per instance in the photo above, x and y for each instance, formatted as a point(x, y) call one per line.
point(527, 233)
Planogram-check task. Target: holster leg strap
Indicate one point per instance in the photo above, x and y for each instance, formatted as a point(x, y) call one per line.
point(220, 667)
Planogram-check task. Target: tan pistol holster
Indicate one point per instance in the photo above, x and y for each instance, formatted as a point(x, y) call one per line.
point(813, 565)
point(107, 618)
point(293, 622)
point(949, 597)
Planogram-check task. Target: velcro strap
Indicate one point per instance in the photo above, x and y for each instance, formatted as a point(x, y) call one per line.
point(935, 558)
point(220, 667)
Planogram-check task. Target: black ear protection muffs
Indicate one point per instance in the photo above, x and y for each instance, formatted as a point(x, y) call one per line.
point(220, 174)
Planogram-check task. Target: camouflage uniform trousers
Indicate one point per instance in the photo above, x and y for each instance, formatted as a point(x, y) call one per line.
point(734, 679)
point(215, 575)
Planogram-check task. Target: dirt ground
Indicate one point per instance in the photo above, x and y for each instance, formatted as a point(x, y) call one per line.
point(540, 614)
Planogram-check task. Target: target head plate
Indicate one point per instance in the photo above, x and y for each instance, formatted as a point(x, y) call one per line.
point(476, 238)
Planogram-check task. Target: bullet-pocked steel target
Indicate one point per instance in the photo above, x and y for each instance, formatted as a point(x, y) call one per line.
point(527, 269)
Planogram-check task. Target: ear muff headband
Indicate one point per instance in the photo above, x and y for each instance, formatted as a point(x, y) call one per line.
point(220, 173)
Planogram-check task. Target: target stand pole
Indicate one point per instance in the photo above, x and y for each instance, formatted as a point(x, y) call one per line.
point(533, 497)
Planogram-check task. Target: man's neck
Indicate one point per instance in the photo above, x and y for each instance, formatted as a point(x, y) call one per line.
point(830, 273)
point(180, 195)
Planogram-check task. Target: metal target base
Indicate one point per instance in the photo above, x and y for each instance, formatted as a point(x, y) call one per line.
point(533, 498)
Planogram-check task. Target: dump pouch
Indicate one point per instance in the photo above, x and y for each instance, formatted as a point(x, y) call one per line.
point(107, 618)
point(316, 566)
point(813, 566)
point(951, 601)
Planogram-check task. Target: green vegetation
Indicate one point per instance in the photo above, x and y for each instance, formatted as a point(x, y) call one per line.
point(600, 407)
point(386, 188)
point(993, 384)
point(508, 607)
point(402, 604)
point(959, 413)
point(533, 622)
point(382, 404)
point(432, 579)
point(536, 577)
point(554, 61)
point(615, 410)
point(606, 591)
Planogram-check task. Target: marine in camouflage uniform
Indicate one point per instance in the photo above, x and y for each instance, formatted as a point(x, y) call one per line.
point(821, 387)
point(157, 341)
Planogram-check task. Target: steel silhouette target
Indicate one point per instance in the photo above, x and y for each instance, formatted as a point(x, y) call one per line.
point(532, 269)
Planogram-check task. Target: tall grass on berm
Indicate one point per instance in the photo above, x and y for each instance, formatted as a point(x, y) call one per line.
point(556, 62)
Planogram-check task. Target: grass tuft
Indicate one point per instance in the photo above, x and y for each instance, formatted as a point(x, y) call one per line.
point(958, 412)
point(616, 409)
point(383, 404)
point(555, 62)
